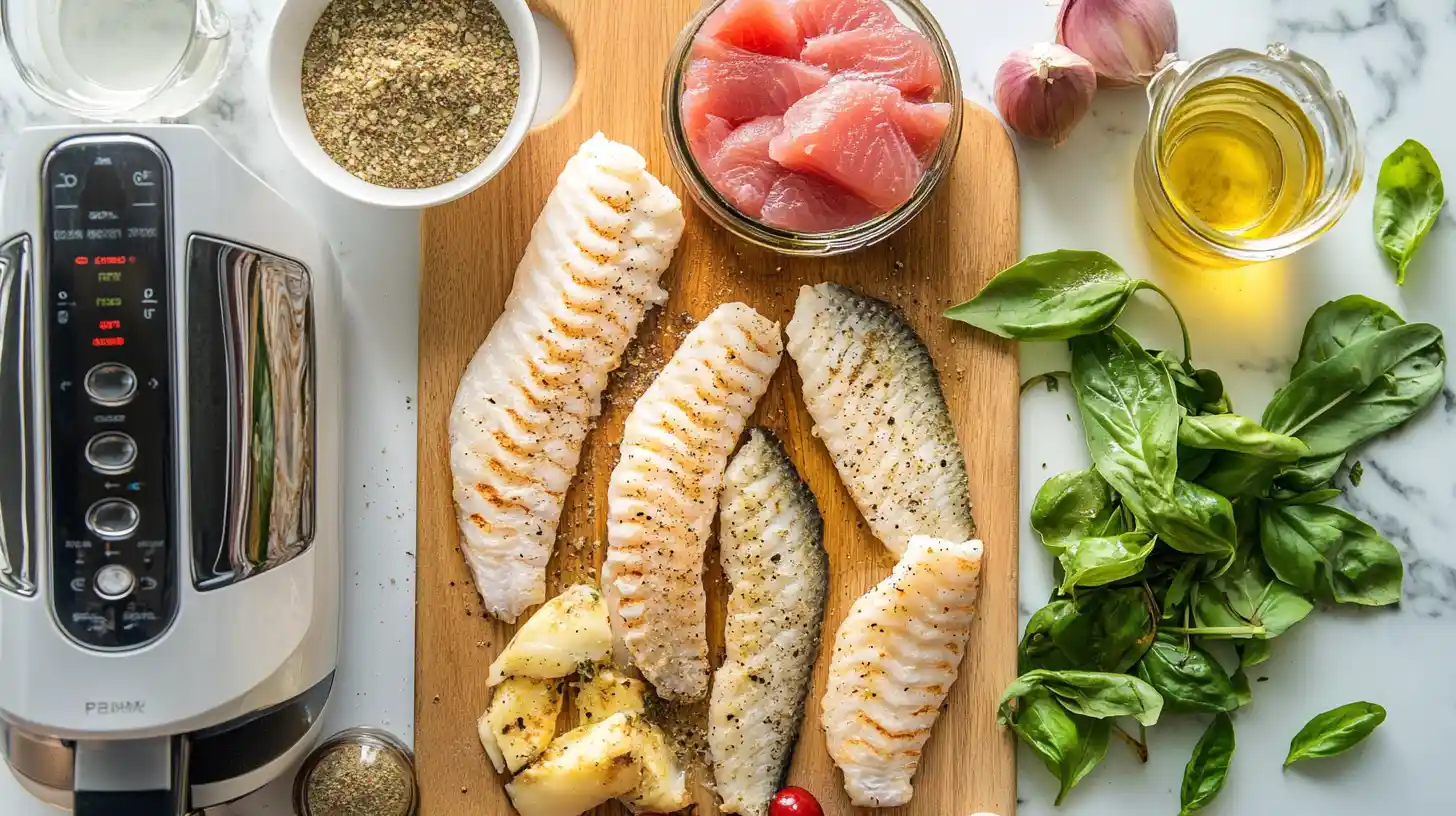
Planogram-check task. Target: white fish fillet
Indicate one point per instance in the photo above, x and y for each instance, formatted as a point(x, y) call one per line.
point(896, 656)
point(664, 493)
point(534, 387)
point(772, 541)
point(875, 397)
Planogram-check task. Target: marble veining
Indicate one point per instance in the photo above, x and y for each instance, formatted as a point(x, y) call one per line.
point(1395, 61)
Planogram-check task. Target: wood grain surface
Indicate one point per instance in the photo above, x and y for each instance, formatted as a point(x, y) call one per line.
point(471, 248)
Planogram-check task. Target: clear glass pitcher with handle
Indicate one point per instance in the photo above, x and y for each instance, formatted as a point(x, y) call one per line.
point(115, 60)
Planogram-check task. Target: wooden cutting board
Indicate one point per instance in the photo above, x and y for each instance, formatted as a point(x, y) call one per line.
point(471, 248)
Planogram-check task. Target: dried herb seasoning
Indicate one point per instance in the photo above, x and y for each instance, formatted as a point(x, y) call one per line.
point(410, 93)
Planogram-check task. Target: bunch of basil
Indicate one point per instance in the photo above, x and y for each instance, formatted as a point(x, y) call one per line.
point(1194, 524)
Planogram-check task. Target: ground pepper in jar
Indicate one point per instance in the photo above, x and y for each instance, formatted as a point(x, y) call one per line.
point(359, 772)
point(410, 93)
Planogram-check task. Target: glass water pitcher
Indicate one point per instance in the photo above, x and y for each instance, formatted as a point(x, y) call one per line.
point(113, 60)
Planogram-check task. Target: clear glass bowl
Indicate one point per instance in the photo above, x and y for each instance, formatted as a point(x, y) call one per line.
point(375, 746)
point(911, 12)
point(114, 60)
point(1304, 81)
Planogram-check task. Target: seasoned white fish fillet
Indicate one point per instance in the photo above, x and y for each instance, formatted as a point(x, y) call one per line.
point(664, 492)
point(895, 658)
point(772, 541)
point(534, 388)
point(872, 389)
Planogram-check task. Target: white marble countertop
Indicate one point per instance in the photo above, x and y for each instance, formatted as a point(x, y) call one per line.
point(1391, 57)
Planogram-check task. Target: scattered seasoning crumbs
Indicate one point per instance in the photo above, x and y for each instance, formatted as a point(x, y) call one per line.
point(410, 93)
point(359, 780)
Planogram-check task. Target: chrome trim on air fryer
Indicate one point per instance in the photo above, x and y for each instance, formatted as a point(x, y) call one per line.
point(17, 550)
point(265, 305)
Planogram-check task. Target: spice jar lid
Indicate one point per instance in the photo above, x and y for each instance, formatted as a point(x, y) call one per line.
point(358, 772)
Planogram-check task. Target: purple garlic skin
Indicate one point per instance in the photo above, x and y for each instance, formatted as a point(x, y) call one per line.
point(1127, 41)
point(1044, 91)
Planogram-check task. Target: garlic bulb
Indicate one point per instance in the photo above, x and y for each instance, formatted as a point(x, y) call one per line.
point(1043, 91)
point(1127, 41)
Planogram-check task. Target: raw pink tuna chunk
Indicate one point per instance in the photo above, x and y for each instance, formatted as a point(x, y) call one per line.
point(742, 170)
point(819, 17)
point(760, 26)
point(705, 142)
point(849, 133)
point(897, 56)
point(805, 203)
point(745, 86)
point(924, 125)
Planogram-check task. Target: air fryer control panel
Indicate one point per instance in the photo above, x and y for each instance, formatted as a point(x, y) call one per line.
point(108, 304)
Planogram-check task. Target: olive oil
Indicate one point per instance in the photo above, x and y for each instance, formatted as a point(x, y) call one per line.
point(1242, 157)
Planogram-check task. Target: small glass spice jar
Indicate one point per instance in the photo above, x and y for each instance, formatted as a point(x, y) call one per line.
point(358, 772)
point(1247, 157)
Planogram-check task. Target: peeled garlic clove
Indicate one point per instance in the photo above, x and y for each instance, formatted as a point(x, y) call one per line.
point(1127, 41)
point(1044, 91)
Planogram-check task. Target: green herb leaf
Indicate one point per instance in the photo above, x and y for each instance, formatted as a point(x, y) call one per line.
point(1091, 694)
point(1252, 653)
point(1053, 296)
point(1247, 595)
point(1290, 497)
point(1365, 390)
point(1075, 505)
point(1130, 415)
point(1310, 546)
point(1312, 473)
point(1099, 560)
point(1334, 731)
point(1339, 324)
point(1208, 768)
point(1231, 432)
point(1243, 692)
point(1188, 678)
point(1099, 630)
point(1070, 746)
point(1357, 473)
point(1238, 475)
point(1408, 197)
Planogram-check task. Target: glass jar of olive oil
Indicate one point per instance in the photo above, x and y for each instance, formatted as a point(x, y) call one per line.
point(1247, 156)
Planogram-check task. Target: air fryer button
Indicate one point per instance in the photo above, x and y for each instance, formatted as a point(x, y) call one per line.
point(114, 582)
point(111, 452)
point(111, 384)
point(113, 518)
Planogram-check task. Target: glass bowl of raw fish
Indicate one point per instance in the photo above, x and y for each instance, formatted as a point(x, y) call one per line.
point(812, 127)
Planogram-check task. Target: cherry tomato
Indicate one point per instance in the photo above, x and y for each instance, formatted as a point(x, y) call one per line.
point(795, 802)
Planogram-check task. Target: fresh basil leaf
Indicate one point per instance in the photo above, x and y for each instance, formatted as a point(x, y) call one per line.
point(1193, 520)
point(1193, 463)
point(1070, 746)
point(1231, 432)
point(1318, 546)
point(1130, 414)
point(1094, 561)
point(1215, 396)
point(1290, 497)
point(1335, 731)
point(1408, 197)
point(1246, 595)
point(1238, 475)
point(1075, 505)
point(1357, 473)
point(1091, 694)
point(1199, 390)
point(1252, 653)
point(1180, 586)
point(1100, 630)
point(1312, 473)
point(1365, 390)
point(1243, 692)
point(1053, 296)
point(1339, 324)
point(1208, 768)
point(1188, 678)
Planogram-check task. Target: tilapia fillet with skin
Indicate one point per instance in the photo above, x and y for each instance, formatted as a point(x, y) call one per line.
point(896, 656)
point(534, 388)
point(664, 492)
point(772, 541)
point(872, 389)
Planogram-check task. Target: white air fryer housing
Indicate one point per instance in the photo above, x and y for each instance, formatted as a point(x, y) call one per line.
point(169, 432)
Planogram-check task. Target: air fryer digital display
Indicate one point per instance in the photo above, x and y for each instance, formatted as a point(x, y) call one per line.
point(109, 352)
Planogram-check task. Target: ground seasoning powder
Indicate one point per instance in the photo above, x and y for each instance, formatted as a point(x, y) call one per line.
point(359, 780)
point(410, 93)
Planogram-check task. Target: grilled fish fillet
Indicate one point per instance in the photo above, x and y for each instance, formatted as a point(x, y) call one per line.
point(895, 658)
point(772, 541)
point(871, 387)
point(534, 387)
point(664, 492)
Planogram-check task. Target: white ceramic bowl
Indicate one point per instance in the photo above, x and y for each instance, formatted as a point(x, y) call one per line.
point(285, 101)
